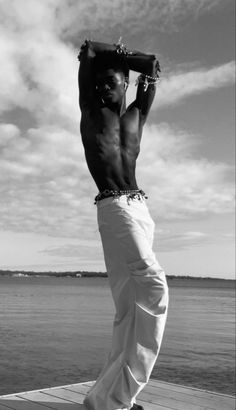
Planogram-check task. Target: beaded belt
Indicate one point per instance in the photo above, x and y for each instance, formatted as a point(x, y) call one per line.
point(130, 193)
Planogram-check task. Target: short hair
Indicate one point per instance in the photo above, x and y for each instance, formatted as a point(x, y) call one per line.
point(105, 61)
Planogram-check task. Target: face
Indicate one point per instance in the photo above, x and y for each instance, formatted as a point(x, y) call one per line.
point(111, 86)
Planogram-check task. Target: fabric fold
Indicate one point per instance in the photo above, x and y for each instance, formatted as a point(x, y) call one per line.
point(140, 294)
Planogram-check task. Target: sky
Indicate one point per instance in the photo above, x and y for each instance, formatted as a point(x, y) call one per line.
point(186, 164)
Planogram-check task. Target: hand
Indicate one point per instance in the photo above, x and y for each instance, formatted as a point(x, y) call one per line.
point(86, 44)
point(157, 68)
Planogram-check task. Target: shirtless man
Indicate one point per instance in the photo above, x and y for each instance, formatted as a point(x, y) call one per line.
point(111, 134)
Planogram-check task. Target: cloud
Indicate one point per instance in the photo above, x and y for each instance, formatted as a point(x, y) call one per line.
point(171, 240)
point(176, 87)
point(86, 251)
point(39, 66)
point(38, 71)
point(98, 18)
point(90, 250)
point(166, 240)
point(44, 181)
point(46, 187)
point(179, 184)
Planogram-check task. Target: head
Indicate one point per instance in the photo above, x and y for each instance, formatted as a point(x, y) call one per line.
point(111, 78)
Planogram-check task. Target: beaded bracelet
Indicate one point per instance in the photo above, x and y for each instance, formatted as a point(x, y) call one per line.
point(150, 77)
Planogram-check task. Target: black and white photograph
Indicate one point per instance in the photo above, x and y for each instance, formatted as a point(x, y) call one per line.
point(117, 205)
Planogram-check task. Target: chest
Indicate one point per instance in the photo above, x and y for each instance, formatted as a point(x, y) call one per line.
point(108, 130)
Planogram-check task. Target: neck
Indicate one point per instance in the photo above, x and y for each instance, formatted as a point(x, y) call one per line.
point(119, 107)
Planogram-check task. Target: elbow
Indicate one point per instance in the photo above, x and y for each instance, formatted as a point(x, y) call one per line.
point(153, 57)
point(155, 65)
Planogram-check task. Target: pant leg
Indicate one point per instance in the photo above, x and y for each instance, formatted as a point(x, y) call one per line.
point(140, 295)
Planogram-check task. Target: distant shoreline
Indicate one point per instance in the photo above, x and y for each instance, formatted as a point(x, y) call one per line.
point(88, 274)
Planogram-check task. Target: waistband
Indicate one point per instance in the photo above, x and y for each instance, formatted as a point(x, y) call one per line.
point(129, 193)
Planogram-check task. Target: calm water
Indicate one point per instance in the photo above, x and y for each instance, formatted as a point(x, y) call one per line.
point(57, 331)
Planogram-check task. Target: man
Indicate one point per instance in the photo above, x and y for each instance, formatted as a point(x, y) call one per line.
point(111, 135)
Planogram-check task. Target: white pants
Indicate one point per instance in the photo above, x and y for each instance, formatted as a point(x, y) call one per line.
point(140, 294)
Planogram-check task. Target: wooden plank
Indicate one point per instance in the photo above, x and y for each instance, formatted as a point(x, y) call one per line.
point(38, 390)
point(89, 383)
point(68, 395)
point(155, 396)
point(78, 388)
point(210, 400)
point(2, 407)
point(173, 403)
point(153, 406)
point(180, 397)
point(186, 389)
point(18, 403)
point(85, 388)
point(191, 393)
point(53, 400)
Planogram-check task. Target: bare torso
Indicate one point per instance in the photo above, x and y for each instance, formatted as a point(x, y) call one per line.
point(111, 133)
point(111, 144)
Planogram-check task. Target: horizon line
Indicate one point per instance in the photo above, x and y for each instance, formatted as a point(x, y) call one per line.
point(99, 273)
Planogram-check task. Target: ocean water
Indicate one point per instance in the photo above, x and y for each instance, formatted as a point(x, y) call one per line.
point(56, 331)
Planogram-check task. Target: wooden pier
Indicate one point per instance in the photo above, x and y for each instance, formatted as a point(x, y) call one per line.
point(156, 395)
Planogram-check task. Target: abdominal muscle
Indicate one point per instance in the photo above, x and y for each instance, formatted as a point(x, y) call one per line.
point(111, 150)
point(114, 170)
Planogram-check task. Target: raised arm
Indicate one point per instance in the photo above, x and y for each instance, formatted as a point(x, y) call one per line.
point(87, 90)
point(85, 77)
point(148, 66)
point(145, 64)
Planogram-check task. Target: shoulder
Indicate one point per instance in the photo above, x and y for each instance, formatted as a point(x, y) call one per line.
point(89, 106)
point(134, 111)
